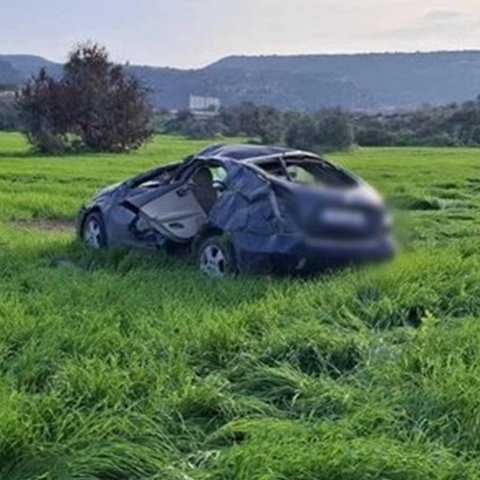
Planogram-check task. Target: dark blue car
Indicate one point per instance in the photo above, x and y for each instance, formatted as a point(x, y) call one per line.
point(243, 208)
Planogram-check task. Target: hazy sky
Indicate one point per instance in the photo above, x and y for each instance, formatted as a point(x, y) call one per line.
point(192, 33)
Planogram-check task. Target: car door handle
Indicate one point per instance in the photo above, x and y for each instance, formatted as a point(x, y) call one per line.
point(182, 191)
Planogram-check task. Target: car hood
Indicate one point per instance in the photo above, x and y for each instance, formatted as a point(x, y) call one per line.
point(108, 190)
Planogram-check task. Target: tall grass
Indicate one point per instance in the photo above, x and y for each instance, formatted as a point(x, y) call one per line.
point(131, 365)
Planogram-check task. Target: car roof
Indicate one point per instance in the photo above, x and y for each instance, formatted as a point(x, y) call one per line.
point(243, 152)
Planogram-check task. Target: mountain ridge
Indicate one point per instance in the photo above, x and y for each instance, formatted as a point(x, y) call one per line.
point(364, 81)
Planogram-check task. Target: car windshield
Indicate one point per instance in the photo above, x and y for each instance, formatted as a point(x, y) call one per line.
point(307, 172)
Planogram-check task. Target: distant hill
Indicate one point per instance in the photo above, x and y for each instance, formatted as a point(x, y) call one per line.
point(285, 90)
point(393, 80)
point(304, 82)
point(8, 74)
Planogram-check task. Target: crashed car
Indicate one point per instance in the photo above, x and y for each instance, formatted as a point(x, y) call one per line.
point(245, 208)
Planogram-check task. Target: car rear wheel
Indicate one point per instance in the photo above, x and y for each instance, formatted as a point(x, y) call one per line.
point(216, 258)
point(93, 231)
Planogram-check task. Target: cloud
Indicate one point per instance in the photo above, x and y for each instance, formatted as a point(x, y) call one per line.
point(440, 16)
point(437, 24)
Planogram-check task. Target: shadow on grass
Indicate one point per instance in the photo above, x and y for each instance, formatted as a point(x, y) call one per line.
point(33, 154)
point(16, 154)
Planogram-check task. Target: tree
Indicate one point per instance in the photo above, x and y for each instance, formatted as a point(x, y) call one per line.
point(8, 113)
point(335, 130)
point(42, 113)
point(270, 125)
point(242, 120)
point(302, 133)
point(248, 119)
point(326, 130)
point(95, 105)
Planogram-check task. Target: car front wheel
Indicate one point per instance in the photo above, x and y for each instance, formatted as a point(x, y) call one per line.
point(93, 231)
point(216, 258)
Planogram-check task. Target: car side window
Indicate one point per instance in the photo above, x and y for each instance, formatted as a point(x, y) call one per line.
point(155, 182)
point(299, 174)
point(220, 178)
point(218, 173)
point(155, 178)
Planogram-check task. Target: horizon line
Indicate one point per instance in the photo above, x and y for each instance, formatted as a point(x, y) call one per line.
point(265, 55)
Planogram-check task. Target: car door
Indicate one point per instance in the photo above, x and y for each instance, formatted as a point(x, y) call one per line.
point(172, 210)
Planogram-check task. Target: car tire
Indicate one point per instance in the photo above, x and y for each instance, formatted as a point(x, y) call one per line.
point(93, 231)
point(215, 257)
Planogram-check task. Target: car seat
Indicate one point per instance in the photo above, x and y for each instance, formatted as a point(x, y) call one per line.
point(203, 189)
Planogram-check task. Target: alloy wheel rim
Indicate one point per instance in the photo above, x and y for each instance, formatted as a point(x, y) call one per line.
point(92, 234)
point(213, 261)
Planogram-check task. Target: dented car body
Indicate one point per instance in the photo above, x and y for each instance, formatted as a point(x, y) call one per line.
point(246, 208)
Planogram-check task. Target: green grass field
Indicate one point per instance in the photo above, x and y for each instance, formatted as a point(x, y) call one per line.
point(135, 366)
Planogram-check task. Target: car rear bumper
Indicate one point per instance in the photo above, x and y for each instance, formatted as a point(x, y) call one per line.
point(284, 253)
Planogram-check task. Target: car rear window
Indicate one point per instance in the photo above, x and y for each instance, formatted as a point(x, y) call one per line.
point(307, 172)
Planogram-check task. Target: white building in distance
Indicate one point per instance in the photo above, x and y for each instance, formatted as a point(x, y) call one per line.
point(204, 106)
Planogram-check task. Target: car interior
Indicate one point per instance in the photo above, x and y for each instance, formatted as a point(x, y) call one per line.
point(307, 172)
point(202, 185)
point(180, 213)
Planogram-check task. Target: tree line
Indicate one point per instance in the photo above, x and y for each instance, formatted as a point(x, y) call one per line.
point(451, 125)
point(446, 126)
point(324, 130)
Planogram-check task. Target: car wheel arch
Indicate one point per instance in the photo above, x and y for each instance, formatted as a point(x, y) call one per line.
point(88, 212)
point(205, 233)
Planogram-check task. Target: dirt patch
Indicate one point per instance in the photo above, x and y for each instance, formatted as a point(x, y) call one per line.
point(45, 225)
